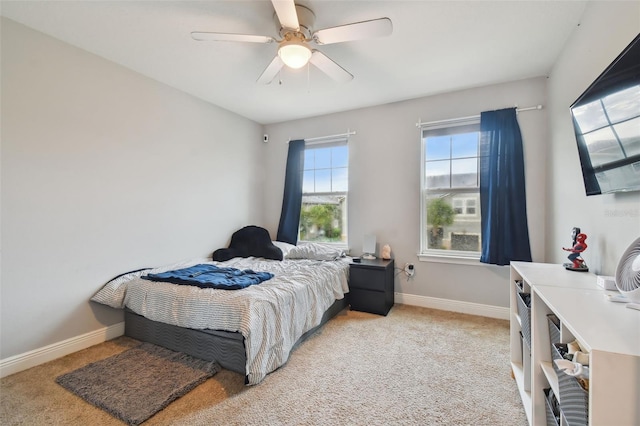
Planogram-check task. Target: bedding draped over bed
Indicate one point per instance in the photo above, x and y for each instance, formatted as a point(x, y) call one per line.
point(211, 276)
point(271, 315)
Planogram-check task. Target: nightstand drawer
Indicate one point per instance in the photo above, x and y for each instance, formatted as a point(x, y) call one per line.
point(369, 301)
point(367, 279)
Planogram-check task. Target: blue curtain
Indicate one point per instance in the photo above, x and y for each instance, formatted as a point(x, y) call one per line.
point(505, 233)
point(292, 200)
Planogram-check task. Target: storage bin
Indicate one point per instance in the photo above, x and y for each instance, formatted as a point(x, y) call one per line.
point(519, 285)
point(524, 310)
point(522, 346)
point(573, 399)
point(552, 408)
point(554, 329)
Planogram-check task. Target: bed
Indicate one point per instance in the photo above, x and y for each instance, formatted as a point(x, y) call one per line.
point(252, 330)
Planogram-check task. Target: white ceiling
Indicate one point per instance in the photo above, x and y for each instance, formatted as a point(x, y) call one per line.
point(436, 47)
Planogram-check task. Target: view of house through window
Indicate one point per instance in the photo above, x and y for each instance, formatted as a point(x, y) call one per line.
point(323, 217)
point(450, 190)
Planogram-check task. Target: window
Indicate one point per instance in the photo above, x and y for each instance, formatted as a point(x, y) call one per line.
point(450, 205)
point(464, 206)
point(323, 216)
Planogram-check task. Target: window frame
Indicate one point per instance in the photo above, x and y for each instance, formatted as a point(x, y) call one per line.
point(450, 127)
point(329, 143)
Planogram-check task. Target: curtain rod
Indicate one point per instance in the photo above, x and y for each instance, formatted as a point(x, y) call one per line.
point(320, 139)
point(455, 120)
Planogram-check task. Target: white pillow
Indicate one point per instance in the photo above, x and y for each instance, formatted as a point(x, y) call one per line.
point(285, 247)
point(315, 251)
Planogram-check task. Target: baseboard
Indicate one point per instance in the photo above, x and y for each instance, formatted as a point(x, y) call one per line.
point(453, 305)
point(48, 353)
point(30, 359)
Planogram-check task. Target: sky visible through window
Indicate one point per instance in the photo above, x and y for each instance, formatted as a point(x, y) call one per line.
point(326, 170)
point(449, 156)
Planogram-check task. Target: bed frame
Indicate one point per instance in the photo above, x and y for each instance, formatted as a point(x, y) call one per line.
point(225, 347)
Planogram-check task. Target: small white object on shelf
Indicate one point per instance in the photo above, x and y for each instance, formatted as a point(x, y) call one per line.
point(633, 306)
point(606, 282)
point(386, 252)
point(369, 247)
point(572, 368)
point(619, 298)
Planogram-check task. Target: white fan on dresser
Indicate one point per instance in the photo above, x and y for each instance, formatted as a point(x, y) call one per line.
point(628, 274)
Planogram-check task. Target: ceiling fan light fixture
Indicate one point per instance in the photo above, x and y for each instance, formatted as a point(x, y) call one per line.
point(294, 54)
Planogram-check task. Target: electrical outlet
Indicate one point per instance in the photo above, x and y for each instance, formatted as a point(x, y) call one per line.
point(409, 270)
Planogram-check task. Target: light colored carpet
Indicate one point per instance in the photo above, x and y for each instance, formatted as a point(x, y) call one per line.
point(416, 366)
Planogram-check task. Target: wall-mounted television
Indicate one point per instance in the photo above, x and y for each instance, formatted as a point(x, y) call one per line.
point(606, 120)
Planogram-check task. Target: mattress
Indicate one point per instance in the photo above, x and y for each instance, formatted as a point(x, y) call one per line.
point(224, 347)
point(271, 316)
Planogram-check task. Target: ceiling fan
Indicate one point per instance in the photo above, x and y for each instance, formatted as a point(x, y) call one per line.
point(295, 27)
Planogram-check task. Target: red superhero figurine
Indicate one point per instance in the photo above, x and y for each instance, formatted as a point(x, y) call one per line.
point(579, 245)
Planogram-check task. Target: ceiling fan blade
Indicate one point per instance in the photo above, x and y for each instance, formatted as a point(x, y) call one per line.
point(329, 67)
point(286, 11)
point(203, 36)
point(270, 72)
point(381, 27)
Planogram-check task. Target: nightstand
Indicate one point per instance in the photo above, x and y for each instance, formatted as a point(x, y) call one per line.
point(371, 286)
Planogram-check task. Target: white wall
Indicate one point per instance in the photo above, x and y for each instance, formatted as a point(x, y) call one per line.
point(104, 171)
point(612, 221)
point(384, 181)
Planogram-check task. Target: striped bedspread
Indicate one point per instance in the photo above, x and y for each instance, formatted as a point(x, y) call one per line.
point(271, 315)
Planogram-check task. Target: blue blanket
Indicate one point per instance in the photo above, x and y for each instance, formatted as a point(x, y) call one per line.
point(211, 276)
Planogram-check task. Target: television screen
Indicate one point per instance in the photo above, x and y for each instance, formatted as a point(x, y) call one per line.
point(606, 120)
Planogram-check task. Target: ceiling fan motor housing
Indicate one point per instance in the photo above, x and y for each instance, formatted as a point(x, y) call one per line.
point(306, 19)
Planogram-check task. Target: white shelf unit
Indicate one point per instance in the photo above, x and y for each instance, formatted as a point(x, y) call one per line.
point(608, 330)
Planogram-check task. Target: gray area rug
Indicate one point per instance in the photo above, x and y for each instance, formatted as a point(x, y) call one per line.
point(139, 382)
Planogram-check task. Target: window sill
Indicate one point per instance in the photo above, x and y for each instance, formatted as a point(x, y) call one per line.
point(460, 259)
